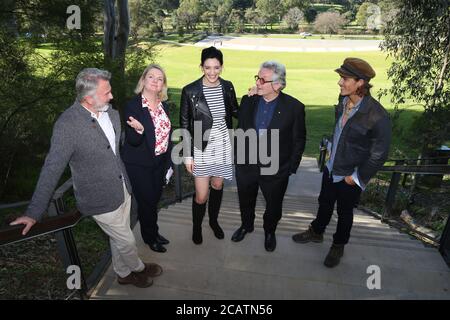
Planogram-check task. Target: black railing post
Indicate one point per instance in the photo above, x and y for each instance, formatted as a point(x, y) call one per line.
point(63, 250)
point(444, 243)
point(178, 184)
point(322, 153)
point(67, 248)
point(390, 197)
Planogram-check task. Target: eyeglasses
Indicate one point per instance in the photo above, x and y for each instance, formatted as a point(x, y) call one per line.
point(262, 80)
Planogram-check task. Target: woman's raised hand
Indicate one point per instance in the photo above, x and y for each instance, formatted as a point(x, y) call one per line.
point(136, 125)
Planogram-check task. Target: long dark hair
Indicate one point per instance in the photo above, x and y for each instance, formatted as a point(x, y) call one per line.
point(364, 90)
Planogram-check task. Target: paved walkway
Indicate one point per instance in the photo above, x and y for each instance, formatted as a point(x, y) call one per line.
point(289, 45)
point(222, 269)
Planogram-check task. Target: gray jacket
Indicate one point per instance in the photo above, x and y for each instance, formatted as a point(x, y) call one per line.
point(364, 142)
point(97, 173)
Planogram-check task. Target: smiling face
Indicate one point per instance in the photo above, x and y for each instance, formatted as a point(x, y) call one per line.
point(267, 88)
point(211, 69)
point(153, 81)
point(349, 86)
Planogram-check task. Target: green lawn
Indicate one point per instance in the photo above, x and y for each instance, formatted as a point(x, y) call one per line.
point(310, 78)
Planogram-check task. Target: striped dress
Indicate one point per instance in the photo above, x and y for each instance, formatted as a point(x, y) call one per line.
point(216, 159)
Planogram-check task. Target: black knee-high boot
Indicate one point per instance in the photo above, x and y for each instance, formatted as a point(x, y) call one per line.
point(198, 212)
point(214, 202)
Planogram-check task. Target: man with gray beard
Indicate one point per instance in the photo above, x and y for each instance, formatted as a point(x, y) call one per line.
point(86, 137)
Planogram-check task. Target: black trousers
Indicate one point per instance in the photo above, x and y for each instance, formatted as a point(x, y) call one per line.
point(273, 188)
point(346, 197)
point(147, 184)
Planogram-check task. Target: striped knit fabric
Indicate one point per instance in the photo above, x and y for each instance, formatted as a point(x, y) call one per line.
point(216, 159)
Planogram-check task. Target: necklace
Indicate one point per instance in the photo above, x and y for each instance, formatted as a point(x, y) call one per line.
point(348, 109)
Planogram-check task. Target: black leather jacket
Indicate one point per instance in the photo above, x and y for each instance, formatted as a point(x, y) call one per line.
point(193, 107)
point(364, 141)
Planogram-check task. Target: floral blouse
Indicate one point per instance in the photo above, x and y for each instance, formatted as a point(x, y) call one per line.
point(162, 126)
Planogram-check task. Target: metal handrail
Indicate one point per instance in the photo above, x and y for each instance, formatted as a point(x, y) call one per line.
point(61, 223)
point(397, 171)
point(13, 205)
point(422, 169)
point(419, 159)
point(402, 166)
point(13, 234)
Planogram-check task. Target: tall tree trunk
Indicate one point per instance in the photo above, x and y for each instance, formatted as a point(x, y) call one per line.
point(109, 28)
point(123, 30)
point(115, 46)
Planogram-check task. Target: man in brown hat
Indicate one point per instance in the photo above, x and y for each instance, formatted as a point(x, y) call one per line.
point(360, 146)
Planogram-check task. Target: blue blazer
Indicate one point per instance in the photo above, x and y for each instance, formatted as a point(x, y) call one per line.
point(139, 149)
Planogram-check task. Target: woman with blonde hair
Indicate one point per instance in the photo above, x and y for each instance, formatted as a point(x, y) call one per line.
point(146, 150)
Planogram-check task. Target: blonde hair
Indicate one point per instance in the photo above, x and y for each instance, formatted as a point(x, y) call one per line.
point(140, 86)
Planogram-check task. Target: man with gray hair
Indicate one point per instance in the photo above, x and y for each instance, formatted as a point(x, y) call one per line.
point(277, 119)
point(86, 137)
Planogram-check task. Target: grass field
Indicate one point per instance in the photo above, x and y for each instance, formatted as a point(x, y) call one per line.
point(310, 78)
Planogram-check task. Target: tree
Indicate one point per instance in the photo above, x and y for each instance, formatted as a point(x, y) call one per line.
point(418, 40)
point(310, 14)
point(169, 5)
point(242, 4)
point(293, 18)
point(388, 11)
point(36, 87)
point(188, 13)
point(290, 4)
point(115, 39)
point(147, 17)
point(218, 12)
point(250, 16)
point(238, 20)
point(362, 15)
point(269, 10)
point(369, 16)
point(7, 17)
point(329, 22)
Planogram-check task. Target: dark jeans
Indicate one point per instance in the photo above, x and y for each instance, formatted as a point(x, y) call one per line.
point(346, 196)
point(273, 188)
point(147, 184)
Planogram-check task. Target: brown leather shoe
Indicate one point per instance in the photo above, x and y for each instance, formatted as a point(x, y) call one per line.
point(137, 279)
point(308, 236)
point(152, 269)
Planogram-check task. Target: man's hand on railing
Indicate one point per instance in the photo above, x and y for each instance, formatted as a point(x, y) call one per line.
point(27, 221)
